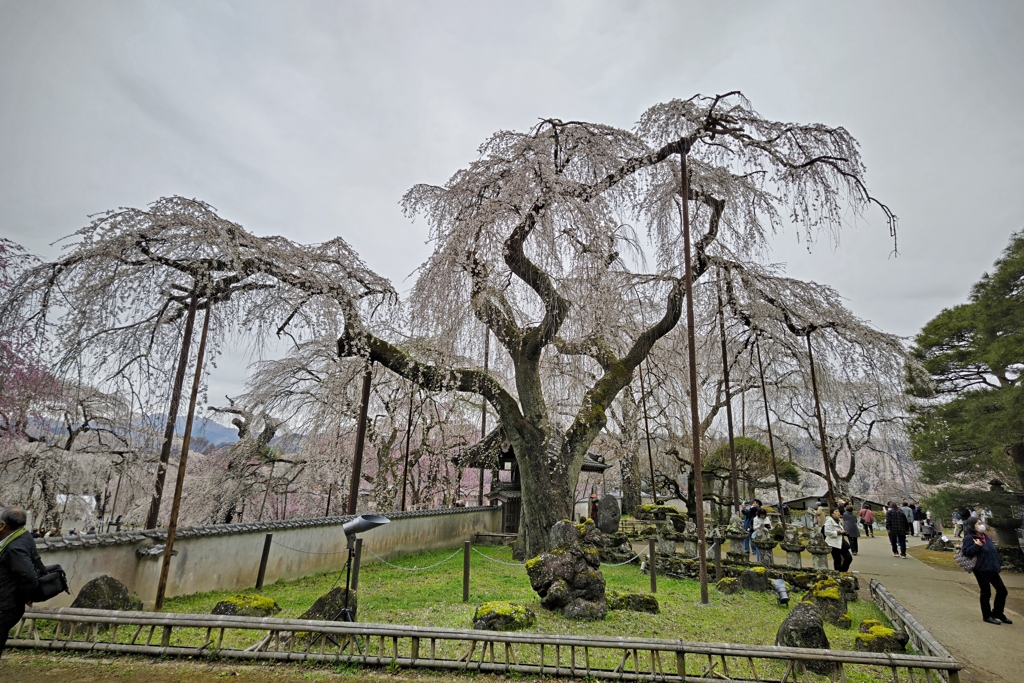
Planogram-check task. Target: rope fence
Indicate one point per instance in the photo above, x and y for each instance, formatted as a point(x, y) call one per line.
point(413, 569)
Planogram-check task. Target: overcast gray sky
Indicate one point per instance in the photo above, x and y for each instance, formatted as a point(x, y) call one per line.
point(311, 119)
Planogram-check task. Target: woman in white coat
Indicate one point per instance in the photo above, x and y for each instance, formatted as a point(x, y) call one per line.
point(835, 536)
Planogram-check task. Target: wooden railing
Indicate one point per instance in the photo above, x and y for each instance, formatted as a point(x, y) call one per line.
point(920, 638)
point(630, 659)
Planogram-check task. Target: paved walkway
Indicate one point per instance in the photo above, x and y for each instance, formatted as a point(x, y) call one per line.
point(945, 601)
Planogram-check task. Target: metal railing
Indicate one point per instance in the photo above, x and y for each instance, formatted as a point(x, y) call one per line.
point(630, 659)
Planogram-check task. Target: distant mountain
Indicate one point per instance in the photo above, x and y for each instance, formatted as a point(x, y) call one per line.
point(215, 433)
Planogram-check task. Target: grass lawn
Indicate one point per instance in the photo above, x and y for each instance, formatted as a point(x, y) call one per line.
point(936, 558)
point(433, 597)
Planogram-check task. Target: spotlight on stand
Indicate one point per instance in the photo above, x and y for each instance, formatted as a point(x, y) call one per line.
point(781, 594)
point(360, 524)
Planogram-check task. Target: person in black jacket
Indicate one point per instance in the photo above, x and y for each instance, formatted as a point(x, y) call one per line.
point(977, 544)
point(20, 567)
point(896, 524)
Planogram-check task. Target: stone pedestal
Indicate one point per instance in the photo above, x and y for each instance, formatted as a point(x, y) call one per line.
point(820, 552)
point(765, 547)
point(793, 547)
point(736, 535)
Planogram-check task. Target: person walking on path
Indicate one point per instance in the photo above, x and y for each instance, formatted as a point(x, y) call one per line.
point(918, 513)
point(820, 516)
point(896, 524)
point(978, 545)
point(908, 513)
point(851, 525)
point(835, 536)
point(867, 520)
point(20, 567)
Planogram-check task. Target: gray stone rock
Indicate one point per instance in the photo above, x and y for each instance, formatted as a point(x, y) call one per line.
point(247, 606)
point(503, 615)
point(567, 577)
point(608, 514)
point(753, 581)
point(803, 627)
point(830, 598)
point(875, 637)
point(106, 592)
point(328, 607)
point(633, 602)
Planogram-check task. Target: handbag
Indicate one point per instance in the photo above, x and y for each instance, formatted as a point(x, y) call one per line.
point(966, 563)
point(52, 583)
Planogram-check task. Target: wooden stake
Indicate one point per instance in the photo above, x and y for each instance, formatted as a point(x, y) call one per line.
point(691, 347)
point(153, 518)
point(821, 423)
point(771, 440)
point(357, 459)
point(733, 474)
point(172, 526)
point(483, 416)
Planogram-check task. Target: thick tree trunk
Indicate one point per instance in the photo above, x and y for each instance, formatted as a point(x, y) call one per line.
point(1017, 456)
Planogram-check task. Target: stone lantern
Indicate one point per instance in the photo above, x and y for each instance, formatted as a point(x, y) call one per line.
point(690, 540)
point(819, 551)
point(736, 535)
point(763, 541)
point(793, 547)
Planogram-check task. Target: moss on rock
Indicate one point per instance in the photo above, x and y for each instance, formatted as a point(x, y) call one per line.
point(503, 615)
point(246, 606)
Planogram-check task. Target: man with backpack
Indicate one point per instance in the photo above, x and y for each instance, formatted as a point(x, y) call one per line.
point(20, 568)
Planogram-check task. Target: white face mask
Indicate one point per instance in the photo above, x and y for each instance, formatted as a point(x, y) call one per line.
point(980, 528)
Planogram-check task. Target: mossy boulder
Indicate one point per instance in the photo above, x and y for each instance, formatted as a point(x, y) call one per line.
point(729, 586)
point(567, 578)
point(828, 596)
point(803, 627)
point(247, 606)
point(328, 606)
point(106, 592)
point(753, 580)
point(502, 615)
point(633, 602)
point(876, 637)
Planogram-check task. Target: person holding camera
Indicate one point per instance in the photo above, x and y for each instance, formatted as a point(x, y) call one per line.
point(20, 567)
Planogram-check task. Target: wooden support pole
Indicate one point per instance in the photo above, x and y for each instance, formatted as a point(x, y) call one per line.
point(771, 439)
point(652, 563)
point(733, 473)
point(153, 518)
point(263, 561)
point(357, 459)
point(466, 547)
point(821, 424)
point(691, 347)
point(179, 484)
point(483, 415)
point(357, 562)
point(408, 443)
